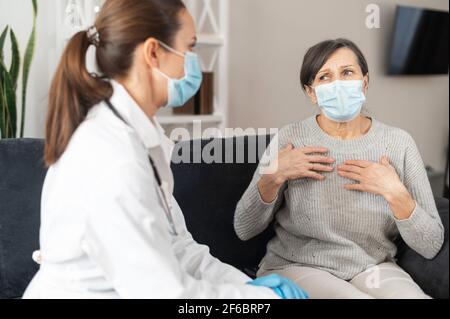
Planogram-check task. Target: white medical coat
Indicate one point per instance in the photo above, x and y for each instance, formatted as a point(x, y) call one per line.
point(104, 232)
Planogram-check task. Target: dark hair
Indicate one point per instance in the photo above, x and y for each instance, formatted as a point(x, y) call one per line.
point(121, 25)
point(318, 55)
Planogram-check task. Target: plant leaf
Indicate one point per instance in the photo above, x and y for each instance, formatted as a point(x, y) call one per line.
point(29, 53)
point(9, 104)
point(2, 110)
point(3, 103)
point(2, 41)
point(15, 59)
point(35, 7)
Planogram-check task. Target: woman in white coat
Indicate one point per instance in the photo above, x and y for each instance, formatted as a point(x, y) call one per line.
point(110, 226)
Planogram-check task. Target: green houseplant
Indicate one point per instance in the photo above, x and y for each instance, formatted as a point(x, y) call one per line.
point(9, 77)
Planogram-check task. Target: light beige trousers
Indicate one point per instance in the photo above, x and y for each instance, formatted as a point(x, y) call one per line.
point(384, 281)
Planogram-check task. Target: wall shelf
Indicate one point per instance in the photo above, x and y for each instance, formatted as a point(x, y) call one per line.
point(210, 39)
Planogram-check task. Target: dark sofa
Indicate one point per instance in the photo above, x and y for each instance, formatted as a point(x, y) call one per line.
point(207, 193)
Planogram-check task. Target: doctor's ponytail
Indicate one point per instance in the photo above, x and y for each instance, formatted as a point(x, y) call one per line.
point(120, 27)
point(72, 93)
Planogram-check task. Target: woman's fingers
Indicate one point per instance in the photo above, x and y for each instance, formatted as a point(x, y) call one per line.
point(350, 169)
point(320, 168)
point(362, 164)
point(287, 148)
point(320, 159)
point(313, 175)
point(310, 150)
point(385, 161)
point(353, 176)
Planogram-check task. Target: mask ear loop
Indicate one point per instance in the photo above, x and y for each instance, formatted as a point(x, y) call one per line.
point(168, 48)
point(162, 74)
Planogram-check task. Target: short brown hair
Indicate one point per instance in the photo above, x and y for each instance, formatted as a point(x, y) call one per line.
point(122, 25)
point(318, 55)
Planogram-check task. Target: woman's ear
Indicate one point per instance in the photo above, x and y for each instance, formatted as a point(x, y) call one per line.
point(152, 53)
point(311, 93)
point(366, 84)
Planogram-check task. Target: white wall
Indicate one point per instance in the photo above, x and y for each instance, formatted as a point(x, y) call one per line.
point(270, 37)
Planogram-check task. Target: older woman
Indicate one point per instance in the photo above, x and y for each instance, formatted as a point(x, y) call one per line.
point(345, 187)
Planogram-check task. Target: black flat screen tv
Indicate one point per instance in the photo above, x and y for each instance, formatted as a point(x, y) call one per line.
point(420, 42)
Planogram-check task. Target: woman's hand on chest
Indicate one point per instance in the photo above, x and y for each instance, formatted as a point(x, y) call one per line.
point(380, 179)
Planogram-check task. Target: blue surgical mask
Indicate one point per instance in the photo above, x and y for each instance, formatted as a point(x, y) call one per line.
point(341, 101)
point(182, 90)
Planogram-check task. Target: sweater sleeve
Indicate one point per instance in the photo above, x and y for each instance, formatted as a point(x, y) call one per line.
point(423, 231)
point(253, 215)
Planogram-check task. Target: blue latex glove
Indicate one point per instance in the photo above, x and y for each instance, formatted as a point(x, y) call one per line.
point(283, 287)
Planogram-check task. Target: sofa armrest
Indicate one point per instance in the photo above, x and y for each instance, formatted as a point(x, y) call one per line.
point(431, 275)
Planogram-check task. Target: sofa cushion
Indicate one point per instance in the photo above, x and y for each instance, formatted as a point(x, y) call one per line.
point(208, 195)
point(431, 275)
point(22, 176)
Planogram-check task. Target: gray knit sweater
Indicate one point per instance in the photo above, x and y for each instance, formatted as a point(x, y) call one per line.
point(322, 225)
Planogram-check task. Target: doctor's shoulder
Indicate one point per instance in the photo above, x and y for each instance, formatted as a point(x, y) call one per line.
point(103, 141)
